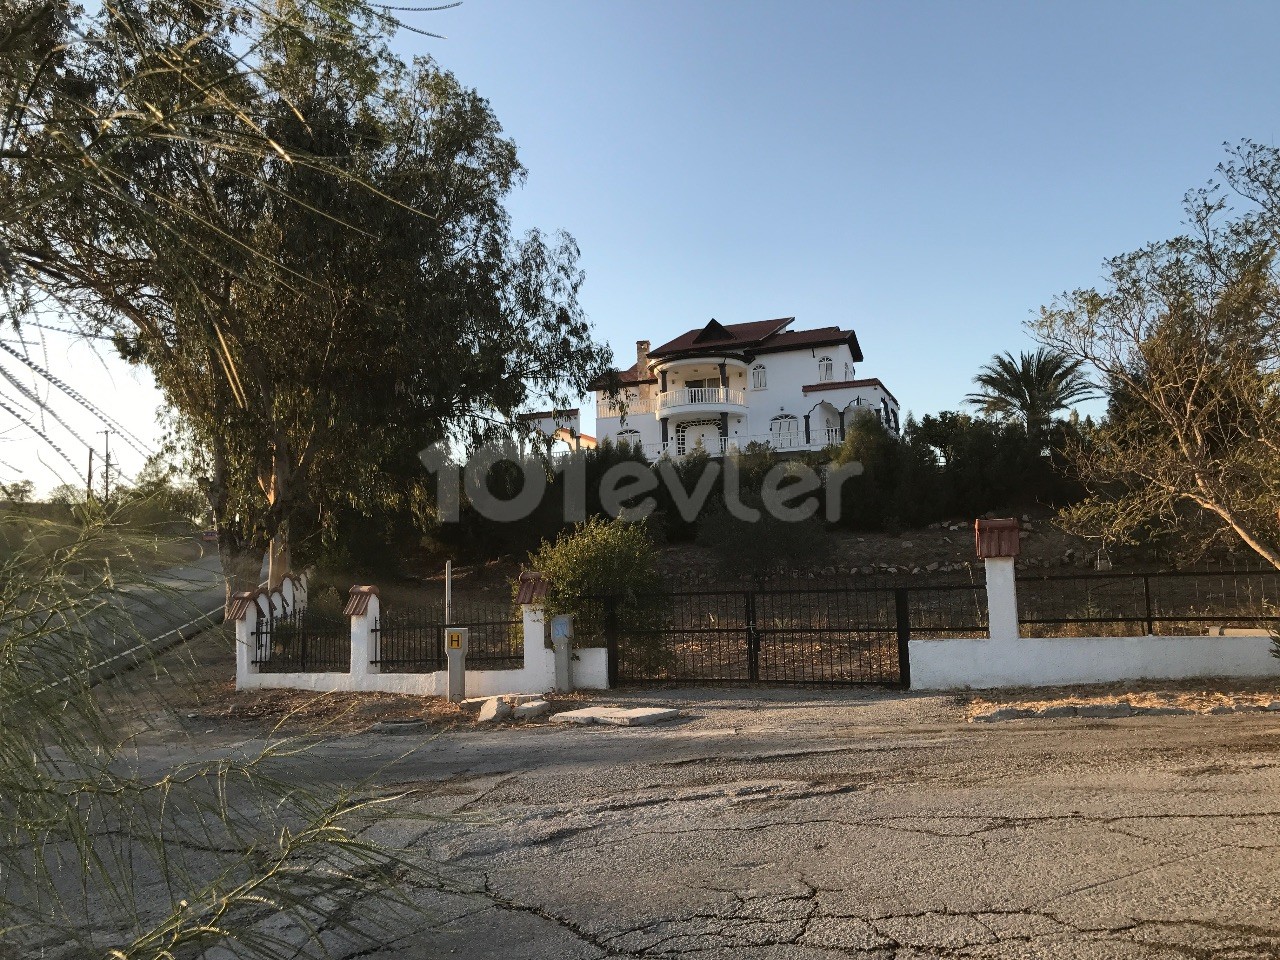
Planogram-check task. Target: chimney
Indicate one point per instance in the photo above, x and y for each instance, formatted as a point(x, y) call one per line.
point(642, 358)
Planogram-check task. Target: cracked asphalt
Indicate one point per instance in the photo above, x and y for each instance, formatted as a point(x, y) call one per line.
point(772, 824)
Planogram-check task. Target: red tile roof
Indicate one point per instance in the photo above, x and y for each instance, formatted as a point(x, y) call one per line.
point(849, 384)
point(358, 601)
point(756, 337)
point(531, 588)
point(821, 337)
point(723, 336)
point(625, 378)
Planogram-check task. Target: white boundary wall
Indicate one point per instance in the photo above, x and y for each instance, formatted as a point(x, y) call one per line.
point(1053, 661)
point(588, 669)
point(1004, 659)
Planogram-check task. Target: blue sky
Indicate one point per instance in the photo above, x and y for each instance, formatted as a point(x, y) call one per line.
point(926, 173)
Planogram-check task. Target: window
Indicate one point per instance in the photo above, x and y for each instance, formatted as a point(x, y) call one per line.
point(848, 371)
point(630, 437)
point(758, 379)
point(825, 370)
point(784, 431)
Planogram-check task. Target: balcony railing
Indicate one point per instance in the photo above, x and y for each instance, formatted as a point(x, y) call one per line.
point(702, 396)
point(608, 408)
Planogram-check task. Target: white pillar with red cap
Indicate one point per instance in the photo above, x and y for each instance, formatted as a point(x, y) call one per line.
point(997, 543)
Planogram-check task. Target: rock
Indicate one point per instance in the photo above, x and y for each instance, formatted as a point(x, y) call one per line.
point(1249, 708)
point(1273, 706)
point(1058, 712)
point(1105, 711)
point(946, 539)
point(1004, 713)
point(1223, 708)
point(933, 567)
point(495, 708)
point(907, 543)
point(531, 710)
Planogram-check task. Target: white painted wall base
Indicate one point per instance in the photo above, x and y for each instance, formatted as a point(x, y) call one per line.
point(588, 668)
point(984, 663)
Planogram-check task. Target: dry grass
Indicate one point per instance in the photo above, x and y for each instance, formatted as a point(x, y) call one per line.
point(1200, 696)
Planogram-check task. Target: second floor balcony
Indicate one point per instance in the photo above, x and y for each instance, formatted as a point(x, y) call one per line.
point(709, 398)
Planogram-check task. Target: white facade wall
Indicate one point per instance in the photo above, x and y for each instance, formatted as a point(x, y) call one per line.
point(786, 375)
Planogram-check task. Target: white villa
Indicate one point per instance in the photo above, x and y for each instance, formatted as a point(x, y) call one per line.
point(724, 386)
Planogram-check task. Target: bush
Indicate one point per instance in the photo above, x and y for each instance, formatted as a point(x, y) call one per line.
point(605, 558)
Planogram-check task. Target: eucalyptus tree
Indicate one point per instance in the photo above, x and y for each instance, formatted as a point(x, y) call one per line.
point(318, 268)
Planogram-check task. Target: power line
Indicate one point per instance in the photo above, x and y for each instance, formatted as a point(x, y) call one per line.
point(39, 433)
point(43, 405)
point(75, 395)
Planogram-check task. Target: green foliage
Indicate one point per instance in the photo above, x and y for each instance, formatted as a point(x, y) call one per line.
point(174, 856)
point(18, 493)
point(1031, 388)
point(303, 238)
point(1185, 334)
point(614, 559)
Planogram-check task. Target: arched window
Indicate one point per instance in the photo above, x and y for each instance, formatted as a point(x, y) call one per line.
point(784, 431)
point(758, 379)
point(826, 369)
point(848, 371)
point(630, 437)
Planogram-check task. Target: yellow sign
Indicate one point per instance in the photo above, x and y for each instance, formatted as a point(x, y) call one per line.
point(455, 640)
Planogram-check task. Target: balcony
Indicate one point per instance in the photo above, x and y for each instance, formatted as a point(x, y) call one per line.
point(608, 408)
point(701, 398)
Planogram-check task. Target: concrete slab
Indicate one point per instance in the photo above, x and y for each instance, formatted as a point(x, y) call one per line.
point(617, 716)
point(531, 710)
point(496, 708)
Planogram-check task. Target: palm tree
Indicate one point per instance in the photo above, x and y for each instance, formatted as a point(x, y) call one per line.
point(1031, 388)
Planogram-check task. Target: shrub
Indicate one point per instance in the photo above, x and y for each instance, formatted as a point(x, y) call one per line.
point(601, 559)
point(768, 545)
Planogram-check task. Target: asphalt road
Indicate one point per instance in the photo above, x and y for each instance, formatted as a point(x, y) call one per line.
point(771, 825)
point(189, 596)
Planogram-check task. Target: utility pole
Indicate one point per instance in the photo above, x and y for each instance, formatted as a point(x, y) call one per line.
point(106, 467)
point(88, 490)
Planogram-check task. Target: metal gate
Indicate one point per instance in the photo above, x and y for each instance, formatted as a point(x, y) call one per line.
point(818, 636)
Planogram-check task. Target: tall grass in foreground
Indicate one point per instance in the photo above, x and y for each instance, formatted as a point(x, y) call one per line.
point(106, 850)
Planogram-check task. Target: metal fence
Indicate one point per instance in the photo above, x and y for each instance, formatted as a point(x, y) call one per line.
point(1177, 603)
point(311, 641)
point(827, 636)
point(411, 639)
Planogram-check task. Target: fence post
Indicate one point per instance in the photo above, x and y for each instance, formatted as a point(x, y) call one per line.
point(902, 618)
point(1146, 590)
point(997, 544)
point(243, 611)
point(562, 645)
point(533, 618)
point(364, 607)
point(753, 640)
point(1002, 598)
point(611, 638)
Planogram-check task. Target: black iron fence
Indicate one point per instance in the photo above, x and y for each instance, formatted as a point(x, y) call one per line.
point(1176, 603)
point(411, 639)
point(310, 641)
point(828, 636)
